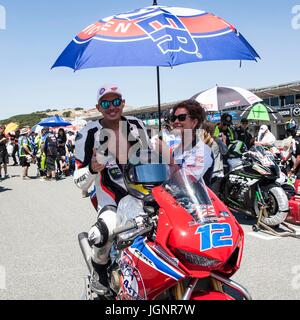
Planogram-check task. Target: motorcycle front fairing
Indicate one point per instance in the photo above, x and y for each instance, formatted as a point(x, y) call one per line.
point(201, 232)
point(196, 235)
point(239, 188)
point(265, 164)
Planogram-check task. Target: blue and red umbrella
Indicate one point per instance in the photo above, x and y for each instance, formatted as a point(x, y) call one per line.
point(158, 36)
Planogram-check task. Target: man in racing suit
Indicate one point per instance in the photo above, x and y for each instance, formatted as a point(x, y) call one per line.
point(291, 130)
point(101, 151)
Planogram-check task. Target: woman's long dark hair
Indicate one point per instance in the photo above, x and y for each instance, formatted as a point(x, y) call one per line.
point(64, 135)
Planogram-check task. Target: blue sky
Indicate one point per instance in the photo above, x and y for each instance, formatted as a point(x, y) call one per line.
point(37, 32)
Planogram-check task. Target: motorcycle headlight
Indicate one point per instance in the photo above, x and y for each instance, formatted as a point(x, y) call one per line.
point(197, 260)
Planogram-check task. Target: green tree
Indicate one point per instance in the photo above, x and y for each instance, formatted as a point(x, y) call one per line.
point(67, 114)
point(25, 120)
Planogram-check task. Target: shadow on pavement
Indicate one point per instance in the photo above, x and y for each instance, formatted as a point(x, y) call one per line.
point(2, 189)
point(244, 219)
point(34, 178)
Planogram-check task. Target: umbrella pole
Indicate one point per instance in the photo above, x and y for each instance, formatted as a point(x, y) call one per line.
point(159, 102)
point(158, 87)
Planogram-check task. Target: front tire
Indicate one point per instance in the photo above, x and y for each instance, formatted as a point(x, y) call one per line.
point(278, 205)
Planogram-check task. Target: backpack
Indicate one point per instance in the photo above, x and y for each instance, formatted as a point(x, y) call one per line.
point(51, 145)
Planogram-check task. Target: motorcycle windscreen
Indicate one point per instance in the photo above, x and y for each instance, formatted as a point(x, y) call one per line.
point(154, 174)
point(262, 155)
point(192, 195)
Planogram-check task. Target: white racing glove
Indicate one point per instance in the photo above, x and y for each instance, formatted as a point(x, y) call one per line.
point(99, 234)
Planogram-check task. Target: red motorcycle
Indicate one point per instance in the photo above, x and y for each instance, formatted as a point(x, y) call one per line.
point(185, 246)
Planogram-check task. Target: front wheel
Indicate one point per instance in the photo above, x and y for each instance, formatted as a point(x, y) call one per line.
point(277, 205)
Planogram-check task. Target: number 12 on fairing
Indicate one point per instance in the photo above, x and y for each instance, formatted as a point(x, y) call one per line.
point(215, 236)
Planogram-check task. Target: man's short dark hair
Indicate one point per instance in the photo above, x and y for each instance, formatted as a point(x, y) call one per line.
point(244, 120)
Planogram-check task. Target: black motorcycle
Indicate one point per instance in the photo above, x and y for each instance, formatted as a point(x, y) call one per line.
point(253, 184)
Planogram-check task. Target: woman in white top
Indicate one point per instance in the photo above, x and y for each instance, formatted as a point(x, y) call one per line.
point(192, 154)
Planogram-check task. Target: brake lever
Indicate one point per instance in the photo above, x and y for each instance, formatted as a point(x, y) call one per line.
point(123, 244)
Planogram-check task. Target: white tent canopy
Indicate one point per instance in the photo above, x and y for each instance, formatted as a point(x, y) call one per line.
point(79, 122)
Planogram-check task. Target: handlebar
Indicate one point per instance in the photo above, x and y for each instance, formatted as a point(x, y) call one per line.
point(131, 225)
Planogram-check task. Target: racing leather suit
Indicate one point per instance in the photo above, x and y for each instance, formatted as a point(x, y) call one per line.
point(109, 187)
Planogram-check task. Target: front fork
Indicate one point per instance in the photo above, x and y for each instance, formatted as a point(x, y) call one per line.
point(231, 284)
point(218, 283)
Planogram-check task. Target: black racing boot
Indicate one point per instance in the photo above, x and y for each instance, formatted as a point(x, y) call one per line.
point(99, 280)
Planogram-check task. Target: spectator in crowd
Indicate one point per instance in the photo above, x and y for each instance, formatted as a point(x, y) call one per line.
point(25, 152)
point(61, 150)
point(38, 144)
point(219, 149)
point(292, 154)
point(71, 141)
point(31, 139)
point(50, 150)
point(3, 153)
point(14, 138)
point(265, 137)
point(244, 135)
point(44, 135)
point(225, 128)
point(225, 131)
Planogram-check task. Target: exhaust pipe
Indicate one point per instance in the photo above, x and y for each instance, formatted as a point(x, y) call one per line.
point(86, 250)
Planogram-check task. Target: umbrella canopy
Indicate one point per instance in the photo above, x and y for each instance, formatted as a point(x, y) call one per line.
point(10, 128)
point(54, 122)
point(156, 36)
point(262, 112)
point(37, 129)
point(220, 98)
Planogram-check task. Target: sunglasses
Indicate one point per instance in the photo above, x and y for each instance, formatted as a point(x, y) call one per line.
point(181, 117)
point(105, 104)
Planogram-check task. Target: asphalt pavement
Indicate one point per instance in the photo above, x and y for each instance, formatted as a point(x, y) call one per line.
point(39, 251)
point(40, 258)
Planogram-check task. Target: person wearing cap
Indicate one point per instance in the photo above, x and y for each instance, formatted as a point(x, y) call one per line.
point(25, 153)
point(3, 153)
point(224, 130)
point(265, 137)
point(101, 150)
point(244, 135)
